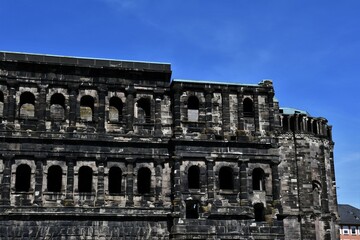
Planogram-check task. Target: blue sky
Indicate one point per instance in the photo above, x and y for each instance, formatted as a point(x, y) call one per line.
point(310, 49)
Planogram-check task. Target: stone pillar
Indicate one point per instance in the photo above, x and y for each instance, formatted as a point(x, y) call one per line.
point(296, 122)
point(6, 180)
point(73, 107)
point(244, 196)
point(272, 123)
point(210, 178)
point(130, 95)
point(177, 184)
point(240, 111)
point(39, 180)
point(177, 110)
point(225, 112)
point(158, 96)
point(208, 109)
point(100, 201)
point(69, 197)
point(256, 112)
point(41, 108)
point(102, 91)
point(130, 183)
point(11, 106)
point(158, 183)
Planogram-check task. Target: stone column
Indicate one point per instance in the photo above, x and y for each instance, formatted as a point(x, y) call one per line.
point(41, 107)
point(73, 107)
point(210, 178)
point(296, 122)
point(177, 184)
point(102, 91)
point(158, 183)
point(275, 181)
point(130, 95)
point(240, 111)
point(69, 197)
point(6, 180)
point(256, 112)
point(130, 183)
point(271, 110)
point(39, 180)
point(100, 201)
point(11, 101)
point(244, 195)
point(158, 96)
point(177, 110)
point(225, 112)
point(208, 109)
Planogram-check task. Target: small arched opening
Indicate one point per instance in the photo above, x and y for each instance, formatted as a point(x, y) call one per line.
point(57, 106)
point(258, 179)
point(115, 109)
point(259, 212)
point(226, 178)
point(248, 107)
point(54, 179)
point(144, 180)
point(27, 105)
point(115, 176)
point(22, 180)
point(85, 179)
point(143, 110)
point(193, 108)
point(194, 177)
point(87, 108)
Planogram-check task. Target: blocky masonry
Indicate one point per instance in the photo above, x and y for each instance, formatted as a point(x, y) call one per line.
point(107, 149)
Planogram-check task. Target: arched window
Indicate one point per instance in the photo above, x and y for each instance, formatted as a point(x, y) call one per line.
point(87, 108)
point(22, 180)
point(143, 108)
point(85, 179)
point(115, 176)
point(316, 187)
point(194, 177)
point(27, 105)
point(226, 178)
point(259, 212)
point(144, 180)
point(193, 109)
point(57, 106)
point(258, 179)
point(54, 179)
point(115, 109)
point(248, 107)
point(1, 104)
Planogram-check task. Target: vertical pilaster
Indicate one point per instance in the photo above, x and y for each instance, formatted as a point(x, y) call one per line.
point(158, 183)
point(177, 110)
point(296, 122)
point(11, 106)
point(210, 178)
point(272, 123)
point(256, 112)
point(225, 111)
point(69, 196)
point(177, 184)
point(130, 95)
point(41, 108)
point(158, 96)
point(244, 196)
point(100, 182)
point(208, 108)
point(6, 180)
point(275, 181)
point(130, 183)
point(240, 111)
point(38, 180)
point(73, 104)
point(102, 92)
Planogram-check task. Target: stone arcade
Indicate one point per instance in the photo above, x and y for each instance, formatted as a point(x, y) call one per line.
point(108, 149)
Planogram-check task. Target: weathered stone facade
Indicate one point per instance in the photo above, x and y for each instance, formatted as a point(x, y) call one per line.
point(107, 149)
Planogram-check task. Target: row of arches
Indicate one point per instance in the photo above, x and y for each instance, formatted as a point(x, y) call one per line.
point(226, 178)
point(193, 107)
point(85, 179)
point(58, 108)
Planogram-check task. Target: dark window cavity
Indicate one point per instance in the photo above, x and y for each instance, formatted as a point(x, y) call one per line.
point(192, 209)
point(54, 179)
point(194, 177)
point(115, 176)
point(143, 108)
point(193, 109)
point(226, 178)
point(57, 106)
point(115, 109)
point(27, 105)
point(258, 179)
point(22, 180)
point(248, 107)
point(1, 104)
point(315, 128)
point(259, 212)
point(87, 108)
point(85, 179)
point(144, 180)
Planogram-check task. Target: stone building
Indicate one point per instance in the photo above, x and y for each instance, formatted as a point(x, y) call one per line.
point(108, 149)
